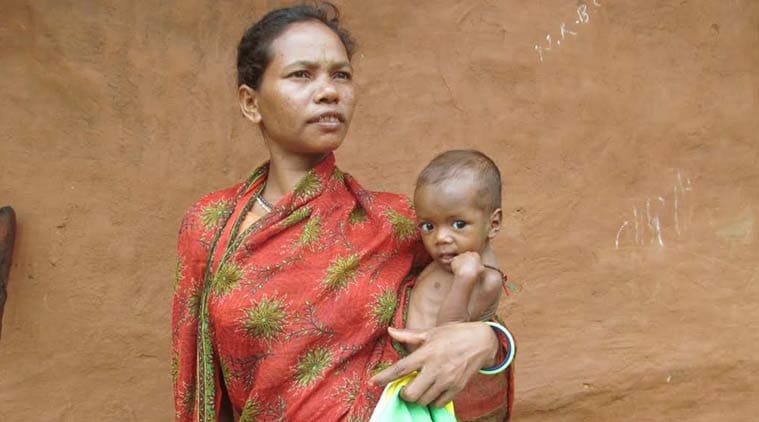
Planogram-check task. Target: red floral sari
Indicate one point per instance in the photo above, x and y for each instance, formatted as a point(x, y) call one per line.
point(288, 319)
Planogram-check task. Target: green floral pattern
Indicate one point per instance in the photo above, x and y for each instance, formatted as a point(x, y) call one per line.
point(265, 319)
point(357, 216)
point(226, 278)
point(296, 217)
point(384, 306)
point(404, 227)
point(250, 411)
point(341, 272)
point(308, 186)
point(311, 232)
point(211, 214)
point(312, 365)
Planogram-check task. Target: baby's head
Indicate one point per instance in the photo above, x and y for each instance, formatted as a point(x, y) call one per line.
point(458, 204)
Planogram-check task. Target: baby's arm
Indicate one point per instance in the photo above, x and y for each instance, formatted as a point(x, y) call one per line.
point(467, 271)
point(483, 304)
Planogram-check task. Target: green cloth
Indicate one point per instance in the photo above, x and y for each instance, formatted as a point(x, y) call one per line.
point(392, 408)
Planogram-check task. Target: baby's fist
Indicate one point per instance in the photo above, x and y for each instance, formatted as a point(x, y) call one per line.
point(467, 264)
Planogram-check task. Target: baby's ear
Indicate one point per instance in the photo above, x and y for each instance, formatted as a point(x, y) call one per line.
point(494, 223)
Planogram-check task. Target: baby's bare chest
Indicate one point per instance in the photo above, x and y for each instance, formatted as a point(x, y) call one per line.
point(432, 287)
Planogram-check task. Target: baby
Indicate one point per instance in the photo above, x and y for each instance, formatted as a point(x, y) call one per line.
point(458, 207)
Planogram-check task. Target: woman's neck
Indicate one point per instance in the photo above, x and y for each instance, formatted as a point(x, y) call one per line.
point(285, 171)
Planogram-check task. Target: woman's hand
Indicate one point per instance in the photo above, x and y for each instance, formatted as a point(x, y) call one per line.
point(447, 357)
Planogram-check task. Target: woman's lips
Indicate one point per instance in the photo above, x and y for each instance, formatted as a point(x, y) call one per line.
point(328, 121)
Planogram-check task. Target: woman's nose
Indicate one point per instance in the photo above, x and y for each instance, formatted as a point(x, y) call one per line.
point(326, 92)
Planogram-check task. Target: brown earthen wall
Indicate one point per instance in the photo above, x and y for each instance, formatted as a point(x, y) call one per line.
point(630, 157)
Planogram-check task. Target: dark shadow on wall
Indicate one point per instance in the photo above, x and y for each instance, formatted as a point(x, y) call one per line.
point(7, 237)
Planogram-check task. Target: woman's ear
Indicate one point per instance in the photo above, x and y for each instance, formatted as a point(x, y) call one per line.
point(248, 98)
point(494, 223)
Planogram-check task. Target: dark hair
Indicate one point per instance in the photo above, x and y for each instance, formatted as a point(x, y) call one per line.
point(460, 163)
point(253, 53)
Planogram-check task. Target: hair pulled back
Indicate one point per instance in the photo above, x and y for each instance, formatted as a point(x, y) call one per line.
point(254, 52)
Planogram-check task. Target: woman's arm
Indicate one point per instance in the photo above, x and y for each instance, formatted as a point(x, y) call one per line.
point(188, 281)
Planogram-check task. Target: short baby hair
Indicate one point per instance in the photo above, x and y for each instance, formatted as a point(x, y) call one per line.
point(460, 163)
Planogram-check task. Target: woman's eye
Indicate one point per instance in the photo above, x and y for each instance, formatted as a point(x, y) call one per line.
point(343, 75)
point(299, 74)
point(426, 227)
point(458, 224)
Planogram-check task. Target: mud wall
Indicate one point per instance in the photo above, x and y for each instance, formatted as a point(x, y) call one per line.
point(628, 141)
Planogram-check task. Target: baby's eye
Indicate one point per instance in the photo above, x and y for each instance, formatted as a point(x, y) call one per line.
point(426, 227)
point(458, 224)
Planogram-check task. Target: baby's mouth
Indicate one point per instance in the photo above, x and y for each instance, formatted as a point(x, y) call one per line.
point(446, 258)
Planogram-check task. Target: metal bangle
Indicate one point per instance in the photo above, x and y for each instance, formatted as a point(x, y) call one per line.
point(509, 353)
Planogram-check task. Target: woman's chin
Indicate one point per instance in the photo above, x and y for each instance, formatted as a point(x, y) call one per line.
point(316, 151)
point(312, 146)
point(325, 144)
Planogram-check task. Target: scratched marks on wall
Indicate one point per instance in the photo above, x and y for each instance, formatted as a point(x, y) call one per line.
point(658, 219)
point(567, 31)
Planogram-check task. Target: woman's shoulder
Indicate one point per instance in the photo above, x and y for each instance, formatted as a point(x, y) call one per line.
point(399, 202)
point(384, 200)
point(395, 212)
point(212, 203)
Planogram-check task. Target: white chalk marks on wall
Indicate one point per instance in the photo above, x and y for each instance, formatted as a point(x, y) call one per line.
point(567, 30)
point(658, 219)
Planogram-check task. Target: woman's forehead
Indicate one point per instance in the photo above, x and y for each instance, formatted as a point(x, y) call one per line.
point(310, 42)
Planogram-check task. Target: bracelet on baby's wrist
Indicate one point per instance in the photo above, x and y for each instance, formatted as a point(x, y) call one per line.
point(500, 367)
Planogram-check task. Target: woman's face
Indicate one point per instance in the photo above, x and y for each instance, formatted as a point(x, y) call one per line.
point(306, 97)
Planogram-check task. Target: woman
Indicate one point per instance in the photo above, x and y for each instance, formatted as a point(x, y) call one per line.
point(286, 283)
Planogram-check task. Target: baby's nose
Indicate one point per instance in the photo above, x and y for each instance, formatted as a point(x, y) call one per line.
point(443, 236)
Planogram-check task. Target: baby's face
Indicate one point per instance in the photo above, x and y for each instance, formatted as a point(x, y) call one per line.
point(450, 219)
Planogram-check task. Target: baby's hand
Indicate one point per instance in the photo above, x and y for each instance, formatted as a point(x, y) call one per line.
point(468, 266)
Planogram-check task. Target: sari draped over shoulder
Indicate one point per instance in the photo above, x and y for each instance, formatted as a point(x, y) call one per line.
point(288, 319)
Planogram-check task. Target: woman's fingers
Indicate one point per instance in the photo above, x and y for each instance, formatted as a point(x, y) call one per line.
point(403, 367)
point(413, 337)
point(410, 363)
point(446, 397)
point(449, 380)
point(435, 386)
point(418, 388)
point(431, 395)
